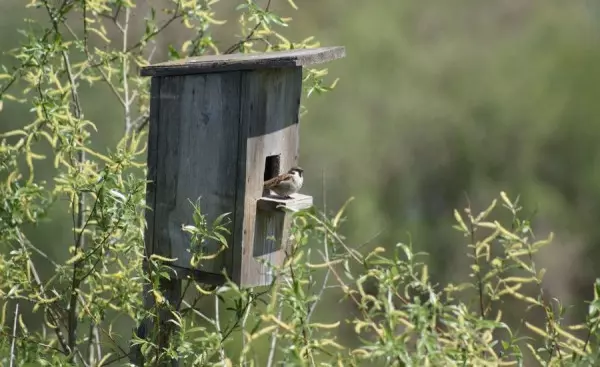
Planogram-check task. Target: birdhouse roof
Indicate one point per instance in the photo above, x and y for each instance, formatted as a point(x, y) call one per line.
point(244, 61)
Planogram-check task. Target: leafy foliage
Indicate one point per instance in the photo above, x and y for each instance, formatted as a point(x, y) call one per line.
point(394, 312)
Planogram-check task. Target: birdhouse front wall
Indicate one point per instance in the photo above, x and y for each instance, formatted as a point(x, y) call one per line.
point(210, 138)
point(269, 116)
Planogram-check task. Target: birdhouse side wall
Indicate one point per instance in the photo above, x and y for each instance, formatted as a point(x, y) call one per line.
point(193, 157)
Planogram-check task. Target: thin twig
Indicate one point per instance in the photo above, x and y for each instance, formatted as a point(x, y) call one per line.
point(235, 325)
point(311, 308)
point(30, 340)
point(218, 326)
point(13, 358)
point(97, 342)
point(176, 15)
point(244, 320)
point(476, 258)
point(39, 252)
point(143, 121)
point(51, 313)
point(303, 323)
point(250, 35)
point(125, 67)
point(91, 353)
point(354, 254)
point(79, 222)
point(193, 309)
point(97, 322)
point(275, 335)
point(17, 71)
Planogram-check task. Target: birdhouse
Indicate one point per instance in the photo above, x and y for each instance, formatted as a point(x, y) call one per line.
point(220, 126)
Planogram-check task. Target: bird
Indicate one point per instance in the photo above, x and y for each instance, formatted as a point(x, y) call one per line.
point(287, 183)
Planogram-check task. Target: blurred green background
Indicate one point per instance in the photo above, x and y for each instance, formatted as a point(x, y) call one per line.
point(443, 99)
point(437, 100)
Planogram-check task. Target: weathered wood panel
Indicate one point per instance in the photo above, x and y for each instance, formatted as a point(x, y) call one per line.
point(171, 288)
point(198, 145)
point(269, 236)
point(241, 61)
point(272, 230)
point(298, 202)
point(152, 160)
point(167, 126)
point(270, 101)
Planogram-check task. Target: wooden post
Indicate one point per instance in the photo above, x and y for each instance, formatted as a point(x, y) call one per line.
point(219, 127)
point(171, 291)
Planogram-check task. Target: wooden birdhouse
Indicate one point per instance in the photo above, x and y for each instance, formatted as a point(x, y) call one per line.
point(220, 126)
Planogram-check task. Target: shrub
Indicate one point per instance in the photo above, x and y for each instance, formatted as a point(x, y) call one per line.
point(77, 309)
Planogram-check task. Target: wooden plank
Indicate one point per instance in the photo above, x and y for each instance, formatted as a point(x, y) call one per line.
point(245, 61)
point(271, 231)
point(171, 289)
point(199, 117)
point(152, 160)
point(168, 121)
point(268, 232)
point(168, 327)
point(269, 236)
point(270, 101)
point(144, 329)
point(145, 326)
point(297, 202)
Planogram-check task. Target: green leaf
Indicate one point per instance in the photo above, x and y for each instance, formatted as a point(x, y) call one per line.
point(173, 53)
point(220, 219)
point(116, 194)
point(277, 19)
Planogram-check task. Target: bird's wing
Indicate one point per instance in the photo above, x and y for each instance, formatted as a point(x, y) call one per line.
point(277, 180)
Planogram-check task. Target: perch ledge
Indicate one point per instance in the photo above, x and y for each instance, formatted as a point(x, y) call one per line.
point(273, 203)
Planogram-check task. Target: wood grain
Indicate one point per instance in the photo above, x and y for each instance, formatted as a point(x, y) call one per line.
point(270, 236)
point(245, 61)
point(273, 203)
point(270, 100)
point(198, 148)
point(272, 229)
point(152, 160)
point(210, 137)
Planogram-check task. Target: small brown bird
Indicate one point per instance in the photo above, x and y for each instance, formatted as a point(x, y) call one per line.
point(287, 183)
